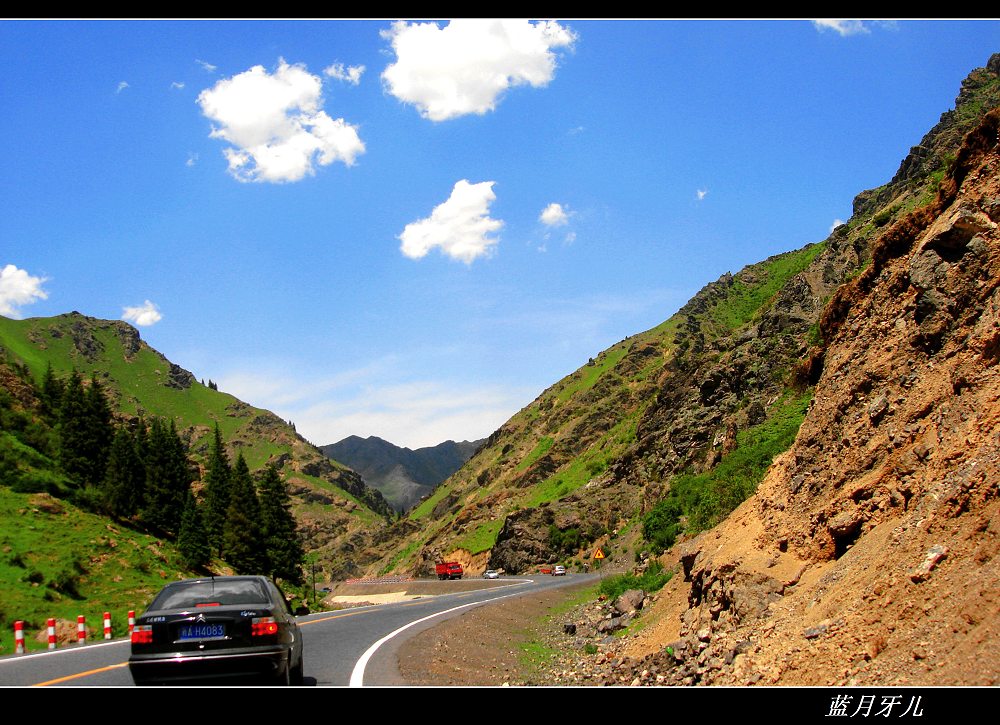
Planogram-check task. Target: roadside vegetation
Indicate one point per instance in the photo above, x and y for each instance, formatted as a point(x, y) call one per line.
point(698, 501)
point(653, 579)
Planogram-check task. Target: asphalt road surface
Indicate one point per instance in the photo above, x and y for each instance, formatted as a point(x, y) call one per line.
point(347, 647)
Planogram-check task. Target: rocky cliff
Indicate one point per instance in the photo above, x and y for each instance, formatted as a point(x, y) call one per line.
point(869, 553)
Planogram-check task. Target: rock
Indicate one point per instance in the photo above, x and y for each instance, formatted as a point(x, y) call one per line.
point(878, 408)
point(630, 601)
point(934, 556)
point(569, 628)
point(610, 625)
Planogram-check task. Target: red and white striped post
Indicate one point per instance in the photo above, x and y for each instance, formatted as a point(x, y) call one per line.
point(51, 624)
point(19, 637)
point(131, 621)
point(81, 629)
point(107, 625)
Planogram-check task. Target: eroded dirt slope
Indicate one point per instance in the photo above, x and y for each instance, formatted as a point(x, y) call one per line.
point(869, 553)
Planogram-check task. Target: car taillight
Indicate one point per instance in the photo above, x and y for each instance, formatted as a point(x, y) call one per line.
point(142, 634)
point(261, 626)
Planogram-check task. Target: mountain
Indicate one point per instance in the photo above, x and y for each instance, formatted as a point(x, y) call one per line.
point(332, 504)
point(686, 418)
point(404, 476)
point(870, 553)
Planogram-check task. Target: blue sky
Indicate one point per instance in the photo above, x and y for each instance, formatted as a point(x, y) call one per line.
point(410, 230)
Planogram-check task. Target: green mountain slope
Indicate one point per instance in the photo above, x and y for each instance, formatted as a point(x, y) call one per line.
point(332, 503)
point(691, 412)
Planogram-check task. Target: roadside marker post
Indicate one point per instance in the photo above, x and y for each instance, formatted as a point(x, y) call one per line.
point(81, 629)
point(19, 637)
point(107, 625)
point(51, 624)
point(131, 621)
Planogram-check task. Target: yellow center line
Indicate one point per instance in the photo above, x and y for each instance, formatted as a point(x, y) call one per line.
point(335, 616)
point(78, 675)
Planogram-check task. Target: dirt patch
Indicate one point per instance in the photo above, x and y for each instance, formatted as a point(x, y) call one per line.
point(483, 645)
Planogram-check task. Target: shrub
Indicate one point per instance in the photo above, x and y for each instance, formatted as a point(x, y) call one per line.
point(651, 580)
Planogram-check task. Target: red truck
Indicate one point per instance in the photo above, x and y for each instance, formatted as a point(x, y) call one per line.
point(449, 570)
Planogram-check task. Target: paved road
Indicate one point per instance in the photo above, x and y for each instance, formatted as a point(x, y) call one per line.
point(348, 647)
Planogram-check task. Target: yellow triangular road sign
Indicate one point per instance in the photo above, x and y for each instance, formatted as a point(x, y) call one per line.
point(599, 554)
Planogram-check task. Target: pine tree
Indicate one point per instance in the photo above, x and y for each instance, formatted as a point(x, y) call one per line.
point(167, 479)
point(284, 550)
point(217, 484)
point(243, 537)
point(192, 541)
point(100, 430)
point(51, 394)
point(72, 428)
point(125, 478)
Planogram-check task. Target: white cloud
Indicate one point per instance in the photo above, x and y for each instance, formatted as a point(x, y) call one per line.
point(276, 124)
point(350, 74)
point(176, 85)
point(554, 215)
point(701, 194)
point(145, 315)
point(842, 26)
point(192, 159)
point(18, 288)
point(122, 85)
point(836, 223)
point(460, 226)
point(371, 400)
point(570, 238)
point(466, 66)
point(208, 67)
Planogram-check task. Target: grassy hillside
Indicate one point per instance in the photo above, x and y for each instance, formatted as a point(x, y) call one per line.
point(58, 561)
point(693, 410)
point(140, 382)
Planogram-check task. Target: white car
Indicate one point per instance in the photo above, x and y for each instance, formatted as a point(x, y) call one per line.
point(559, 570)
point(491, 574)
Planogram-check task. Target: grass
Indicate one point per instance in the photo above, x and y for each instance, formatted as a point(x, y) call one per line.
point(743, 302)
point(482, 538)
point(141, 381)
point(703, 499)
point(427, 506)
point(67, 562)
point(537, 452)
point(586, 377)
point(586, 466)
point(402, 555)
point(361, 511)
point(651, 580)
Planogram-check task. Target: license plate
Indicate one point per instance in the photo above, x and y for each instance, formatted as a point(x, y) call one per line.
point(201, 631)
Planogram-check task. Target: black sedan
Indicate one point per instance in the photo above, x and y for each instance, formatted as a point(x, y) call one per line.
point(216, 629)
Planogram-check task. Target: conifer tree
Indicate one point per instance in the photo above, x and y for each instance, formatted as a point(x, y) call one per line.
point(100, 430)
point(72, 428)
point(125, 479)
point(51, 394)
point(217, 477)
point(192, 541)
point(243, 537)
point(284, 550)
point(167, 479)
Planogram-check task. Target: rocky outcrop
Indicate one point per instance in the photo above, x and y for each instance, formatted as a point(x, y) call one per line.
point(869, 554)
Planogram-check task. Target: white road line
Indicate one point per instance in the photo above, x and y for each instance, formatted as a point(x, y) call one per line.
point(358, 674)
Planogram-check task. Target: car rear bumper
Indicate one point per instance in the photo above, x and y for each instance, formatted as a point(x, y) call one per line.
point(183, 667)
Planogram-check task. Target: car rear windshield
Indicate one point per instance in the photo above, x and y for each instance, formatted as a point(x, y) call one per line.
point(185, 595)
